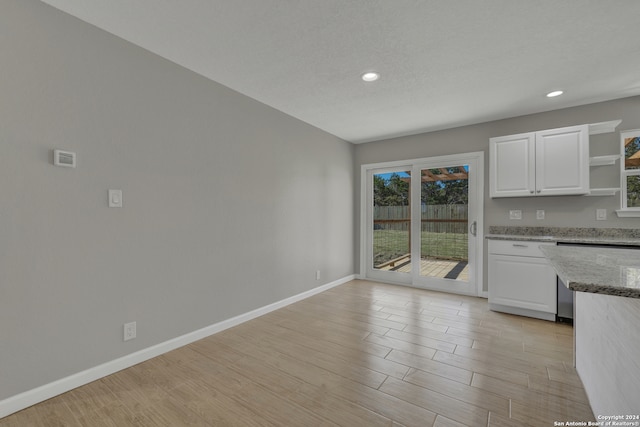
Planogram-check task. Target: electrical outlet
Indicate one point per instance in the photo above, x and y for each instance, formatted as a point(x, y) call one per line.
point(317, 274)
point(540, 214)
point(515, 214)
point(129, 331)
point(601, 214)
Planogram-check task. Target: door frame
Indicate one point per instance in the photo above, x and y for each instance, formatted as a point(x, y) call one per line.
point(476, 205)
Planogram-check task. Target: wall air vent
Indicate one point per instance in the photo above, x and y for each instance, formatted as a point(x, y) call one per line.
point(66, 159)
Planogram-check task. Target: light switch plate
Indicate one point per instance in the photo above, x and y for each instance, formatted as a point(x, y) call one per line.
point(540, 214)
point(115, 198)
point(515, 214)
point(601, 214)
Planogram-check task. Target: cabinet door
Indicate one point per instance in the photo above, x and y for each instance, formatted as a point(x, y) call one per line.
point(562, 161)
point(523, 282)
point(512, 165)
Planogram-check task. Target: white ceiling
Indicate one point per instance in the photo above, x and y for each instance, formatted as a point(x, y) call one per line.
point(443, 63)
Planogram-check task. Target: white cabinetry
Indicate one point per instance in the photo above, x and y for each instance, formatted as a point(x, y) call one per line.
point(521, 280)
point(512, 165)
point(547, 163)
point(606, 160)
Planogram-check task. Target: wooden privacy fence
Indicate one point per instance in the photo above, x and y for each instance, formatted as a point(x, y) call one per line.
point(435, 218)
point(443, 231)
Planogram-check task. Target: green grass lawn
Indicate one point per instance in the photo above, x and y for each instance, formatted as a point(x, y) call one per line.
point(390, 244)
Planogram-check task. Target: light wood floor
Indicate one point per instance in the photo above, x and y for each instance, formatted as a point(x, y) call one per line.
point(361, 354)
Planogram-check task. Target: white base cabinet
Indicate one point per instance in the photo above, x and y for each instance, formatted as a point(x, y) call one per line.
point(521, 280)
point(607, 349)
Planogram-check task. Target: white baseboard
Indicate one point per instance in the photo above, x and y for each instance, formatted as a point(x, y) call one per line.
point(31, 397)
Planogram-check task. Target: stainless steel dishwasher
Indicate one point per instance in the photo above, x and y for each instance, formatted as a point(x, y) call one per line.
point(564, 314)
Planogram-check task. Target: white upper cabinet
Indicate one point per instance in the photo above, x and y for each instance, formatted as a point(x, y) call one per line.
point(547, 163)
point(512, 165)
point(562, 161)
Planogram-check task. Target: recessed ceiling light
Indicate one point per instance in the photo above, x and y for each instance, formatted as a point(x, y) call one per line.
point(554, 94)
point(371, 76)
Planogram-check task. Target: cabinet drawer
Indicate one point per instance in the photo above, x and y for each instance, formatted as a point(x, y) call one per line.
point(517, 248)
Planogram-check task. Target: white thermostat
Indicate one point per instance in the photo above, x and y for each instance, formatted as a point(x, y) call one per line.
point(65, 159)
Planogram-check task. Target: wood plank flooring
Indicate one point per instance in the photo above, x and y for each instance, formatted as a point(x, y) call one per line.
point(361, 354)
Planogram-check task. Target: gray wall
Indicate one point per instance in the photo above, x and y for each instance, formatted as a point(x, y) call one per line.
point(229, 205)
point(574, 211)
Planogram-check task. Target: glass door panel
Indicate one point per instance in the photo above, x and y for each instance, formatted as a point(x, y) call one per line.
point(422, 223)
point(392, 222)
point(444, 222)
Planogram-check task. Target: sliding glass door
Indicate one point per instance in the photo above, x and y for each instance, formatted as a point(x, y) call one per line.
point(445, 230)
point(422, 222)
point(390, 225)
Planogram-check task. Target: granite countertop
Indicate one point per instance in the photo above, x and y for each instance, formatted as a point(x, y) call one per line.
point(566, 239)
point(608, 236)
point(610, 271)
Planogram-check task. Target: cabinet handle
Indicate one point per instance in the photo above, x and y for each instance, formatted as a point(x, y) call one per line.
point(531, 191)
point(520, 246)
point(539, 191)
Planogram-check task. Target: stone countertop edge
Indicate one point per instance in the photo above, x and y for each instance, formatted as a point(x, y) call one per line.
point(597, 270)
point(565, 239)
point(608, 236)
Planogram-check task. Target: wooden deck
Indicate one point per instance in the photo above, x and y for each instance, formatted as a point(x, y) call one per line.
point(431, 268)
